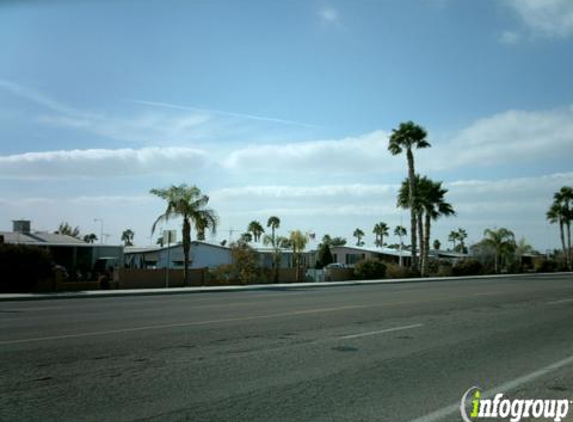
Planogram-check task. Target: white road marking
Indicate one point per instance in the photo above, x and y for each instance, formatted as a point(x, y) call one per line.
point(182, 324)
point(486, 294)
point(508, 386)
point(556, 302)
point(387, 330)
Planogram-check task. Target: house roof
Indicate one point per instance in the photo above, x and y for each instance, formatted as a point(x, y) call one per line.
point(149, 249)
point(382, 251)
point(42, 239)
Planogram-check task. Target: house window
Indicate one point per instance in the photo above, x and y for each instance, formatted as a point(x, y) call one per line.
point(353, 258)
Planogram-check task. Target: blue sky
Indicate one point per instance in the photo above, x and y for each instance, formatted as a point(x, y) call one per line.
point(284, 108)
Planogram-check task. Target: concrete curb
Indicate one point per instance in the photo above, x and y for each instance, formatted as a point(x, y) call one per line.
point(92, 294)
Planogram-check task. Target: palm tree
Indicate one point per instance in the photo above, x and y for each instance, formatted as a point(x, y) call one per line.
point(406, 137)
point(502, 242)
point(336, 241)
point(274, 223)
point(555, 214)
point(429, 205)
point(358, 234)
point(246, 237)
point(297, 242)
point(453, 237)
point(400, 231)
point(380, 230)
point(564, 198)
point(65, 229)
point(189, 203)
point(256, 229)
point(127, 237)
point(462, 236)
point(90, 238)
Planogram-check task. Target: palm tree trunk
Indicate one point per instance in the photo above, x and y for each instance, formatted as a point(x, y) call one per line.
point(412, 180)
point(186, 234)
point(569, 256)
point(427, 243)
point(563, 245)
point(420, 222)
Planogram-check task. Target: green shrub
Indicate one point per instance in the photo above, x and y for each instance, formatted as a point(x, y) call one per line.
point(467, 267)
point(370, 269)
point(22, 266)
point(395, 271)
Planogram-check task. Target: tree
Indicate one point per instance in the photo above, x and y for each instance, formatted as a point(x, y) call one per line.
point(324, 255)
point(502, 242)
point(127, 237)
point(274, 223)
point(277, 243)
point(297, 242)
point(429, 205)
point(437, 244)
point(358, 234)
point(189, 203)
point(256, 229)
point(65, 229)
point(461, 237)
point(401, 232)
point(90, 238)
point(453, 237)
point(555, 215)
point(562, 211)
point(337, 241)
point(380, 230)
point(406, 137)
point(246, 237)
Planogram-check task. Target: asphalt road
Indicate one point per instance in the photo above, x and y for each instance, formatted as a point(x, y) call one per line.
point(402, 352)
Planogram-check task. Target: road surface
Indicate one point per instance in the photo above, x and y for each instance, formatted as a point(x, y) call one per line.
point(400, 352)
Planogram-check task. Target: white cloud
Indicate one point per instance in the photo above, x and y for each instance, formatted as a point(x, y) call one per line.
point(508, 137)
point(328, 14)
point(364, 153)
point(546, 17)
point(509, 37)
point(527, 136)
point(92, 163)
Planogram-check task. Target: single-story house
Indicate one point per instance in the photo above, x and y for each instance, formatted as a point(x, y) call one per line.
point(201, 255)
point(73, 254)
point(350, 255)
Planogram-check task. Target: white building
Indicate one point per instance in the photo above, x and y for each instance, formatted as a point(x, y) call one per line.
point(201, 255)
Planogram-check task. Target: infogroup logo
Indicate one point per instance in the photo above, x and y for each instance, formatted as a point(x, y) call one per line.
point(503, 408)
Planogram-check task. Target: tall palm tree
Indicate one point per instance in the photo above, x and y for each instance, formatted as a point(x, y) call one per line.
point(434, 206)
point(256, 229)
point(502, 241)
point(554, 215)
point(462, 236)
point(380, 230)
point(90, 238)
point(406, 137)
point(189, 203)
point(274, 223)
point(453, 237)
point(429, 205)
point(564, 197)
point(400, 231)
point(297, 242)
point(127, 237)
point(275, 242)
point(65, 228)
point(358, 234)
